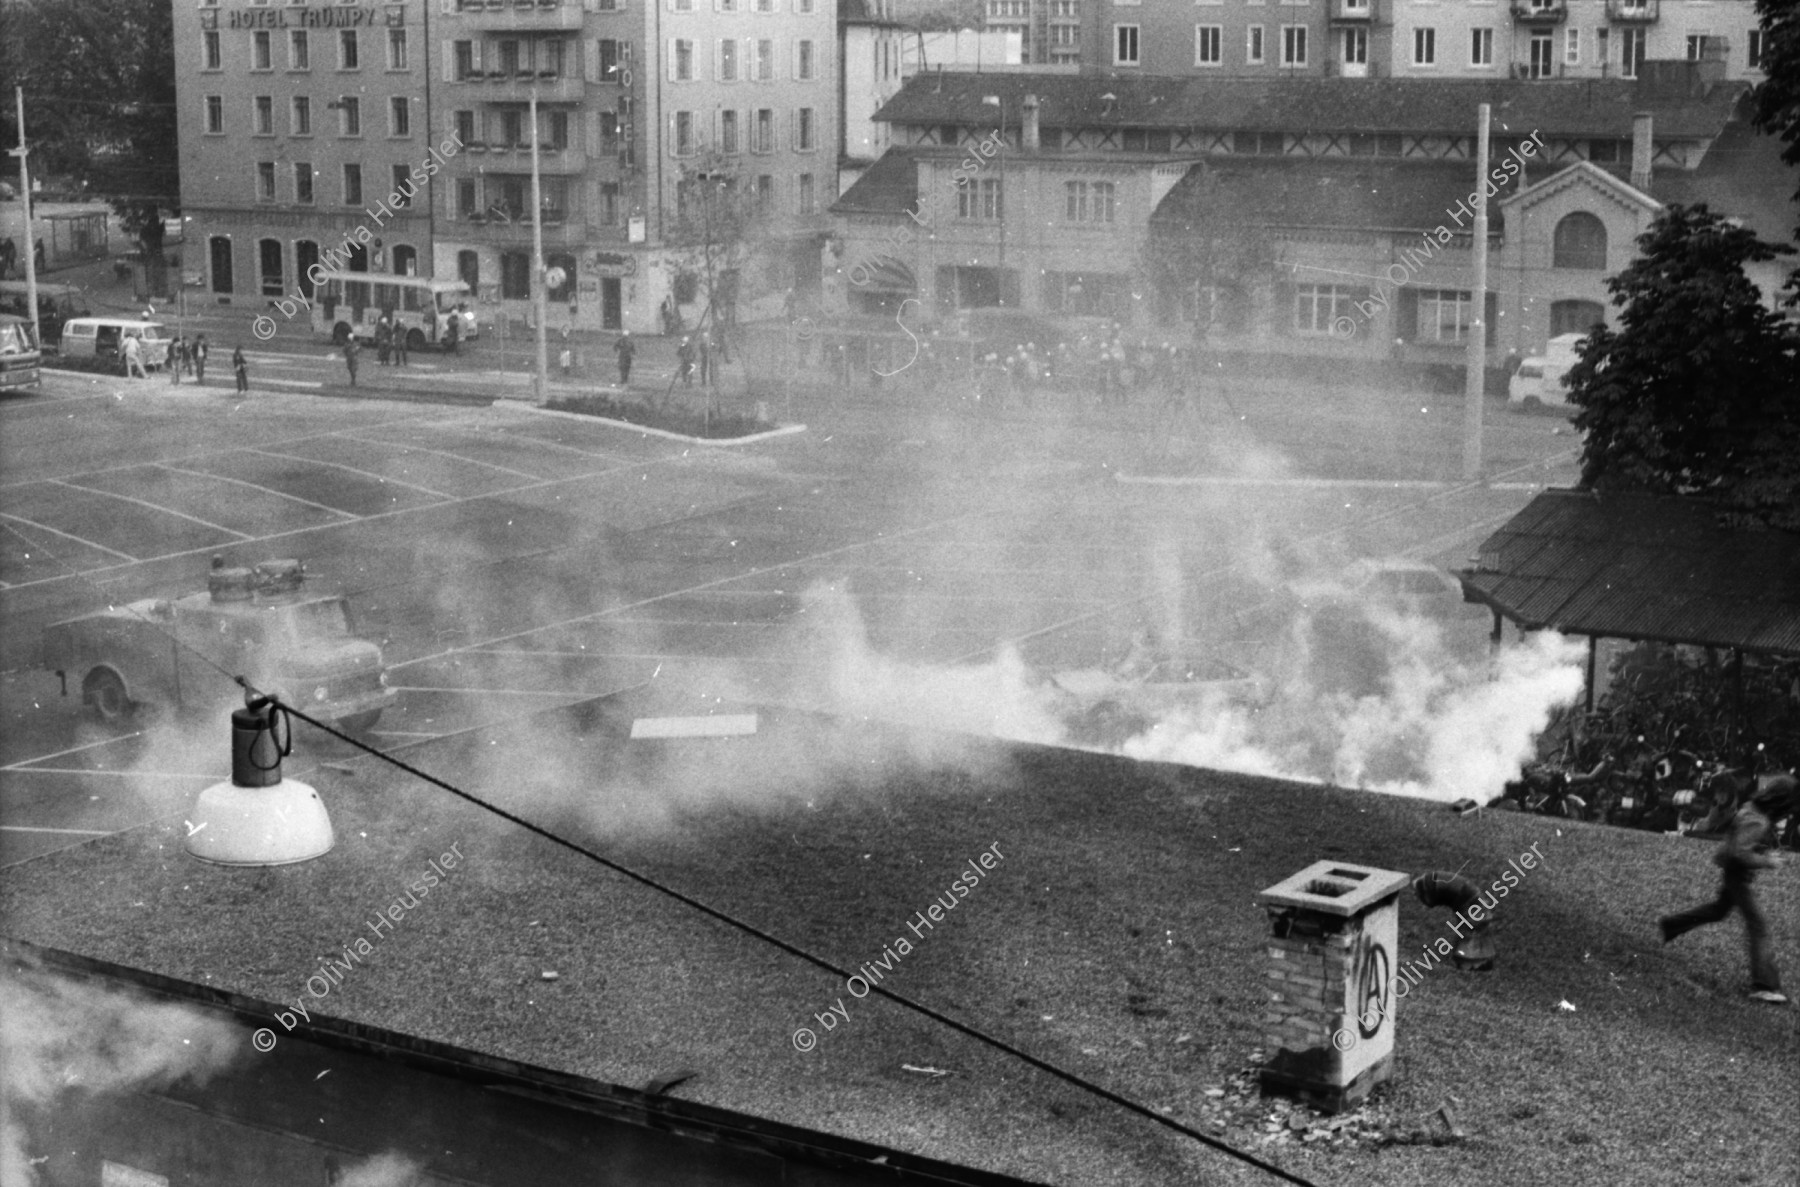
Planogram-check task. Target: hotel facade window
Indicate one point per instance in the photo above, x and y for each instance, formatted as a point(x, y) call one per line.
point(215, 115)
point(1207, 45)
point(299, 50)
point(1293, 45)
point(211, 54)
point(1125, 45)
point(349, 50)
point(1424, 47)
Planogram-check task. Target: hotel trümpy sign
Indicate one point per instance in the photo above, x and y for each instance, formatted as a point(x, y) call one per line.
point(334, 17)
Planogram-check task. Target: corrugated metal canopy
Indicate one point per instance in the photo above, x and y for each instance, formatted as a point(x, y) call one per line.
point(1634, 566)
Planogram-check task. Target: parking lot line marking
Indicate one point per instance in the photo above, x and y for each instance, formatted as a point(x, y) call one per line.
point(517, 692)
point(72, 750)
point(114, 774)
point(295, 457)
point(398, 418)
point(705, 585)
point(72, 832)
point(443, 502)
point(44, 527)
point(107, 494)
point(253, 486)
point(445, 453)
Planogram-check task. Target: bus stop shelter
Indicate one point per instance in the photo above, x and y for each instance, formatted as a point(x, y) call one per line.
point(1643, 567)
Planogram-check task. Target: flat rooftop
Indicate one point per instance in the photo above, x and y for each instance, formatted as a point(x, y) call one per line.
point(1118, 936)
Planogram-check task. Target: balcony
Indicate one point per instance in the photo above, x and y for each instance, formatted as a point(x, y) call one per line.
point(1352, 12)
point(1632, 12)
point(1541, 12)
point(500, 16)
point(516, 86)
point(561, 229)
point(509, 158)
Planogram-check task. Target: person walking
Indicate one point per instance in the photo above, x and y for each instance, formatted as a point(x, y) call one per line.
point(133, 352)
point(240, 368)
point(199, 358)
point(1748, 847)
point(172, 358)
point(399, 341)
point(384, 340)
point(625, 348)
point(452, 331)
point(352, 349)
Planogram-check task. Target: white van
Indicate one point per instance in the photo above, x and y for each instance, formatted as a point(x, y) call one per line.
point(1539, 378)
point(101, 338)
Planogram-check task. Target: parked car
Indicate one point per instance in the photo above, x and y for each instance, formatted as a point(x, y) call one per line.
point(1540, 379)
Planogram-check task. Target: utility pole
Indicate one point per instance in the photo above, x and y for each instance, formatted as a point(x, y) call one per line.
point(30, 251)
point(537, 259)
point(1475, 360)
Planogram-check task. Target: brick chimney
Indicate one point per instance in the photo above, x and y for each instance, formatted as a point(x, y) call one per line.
point(1642, 148)
point(1028, 135)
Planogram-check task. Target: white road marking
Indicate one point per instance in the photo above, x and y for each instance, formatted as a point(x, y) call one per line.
point(443, 502)
point(703, 586)
point(452, 456)
point(72, 750)
point(44, 527)
point(253, 486)
point(157, 507)
point(114, 774)
point(73, 832)
point(382, 478)
point(515, 692)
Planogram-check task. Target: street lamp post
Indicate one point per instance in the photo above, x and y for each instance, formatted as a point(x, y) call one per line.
point(30, 251)
point(537, 259)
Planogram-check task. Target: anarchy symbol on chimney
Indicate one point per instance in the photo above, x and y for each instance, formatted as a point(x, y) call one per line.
point(1371, 992)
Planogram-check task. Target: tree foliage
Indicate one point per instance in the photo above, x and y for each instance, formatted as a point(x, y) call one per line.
point(1698, 391)
point(99, 80)
point(1209, 255)
point(1776, 99)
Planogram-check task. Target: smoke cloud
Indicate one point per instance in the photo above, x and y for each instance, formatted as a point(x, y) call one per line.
point(59, 1036)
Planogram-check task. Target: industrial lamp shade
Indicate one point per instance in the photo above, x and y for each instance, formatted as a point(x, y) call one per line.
point(258, 818)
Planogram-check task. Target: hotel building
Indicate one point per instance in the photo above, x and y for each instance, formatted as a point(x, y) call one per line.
point(299, 120)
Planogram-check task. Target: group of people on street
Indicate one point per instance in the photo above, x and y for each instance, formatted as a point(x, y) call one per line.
point(9, 258)
point(696, 355)
point(183, 357)
point(390, 342)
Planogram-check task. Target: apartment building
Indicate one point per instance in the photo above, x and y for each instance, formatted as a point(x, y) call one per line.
point(298, 124)
point(1568, 38)
point(304, 124)
point(1359, 188)
point(748, 99)
point(581, 61)
point(1050, 32)
point(1414, 38)
point(871, 51)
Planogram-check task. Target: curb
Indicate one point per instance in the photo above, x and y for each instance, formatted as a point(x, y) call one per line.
point(753, 438)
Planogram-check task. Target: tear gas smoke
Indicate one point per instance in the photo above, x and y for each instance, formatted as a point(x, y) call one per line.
point(60, 1035)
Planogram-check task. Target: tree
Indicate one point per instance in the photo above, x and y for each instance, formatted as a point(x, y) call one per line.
point(716, 233)
point(99, 81)
point(1777, 97)
point(1205, 254)
point(1695, 393)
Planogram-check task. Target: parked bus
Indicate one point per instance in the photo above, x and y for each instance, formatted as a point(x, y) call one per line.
point(349, 303)
point(57, 303)
point(19, 357)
